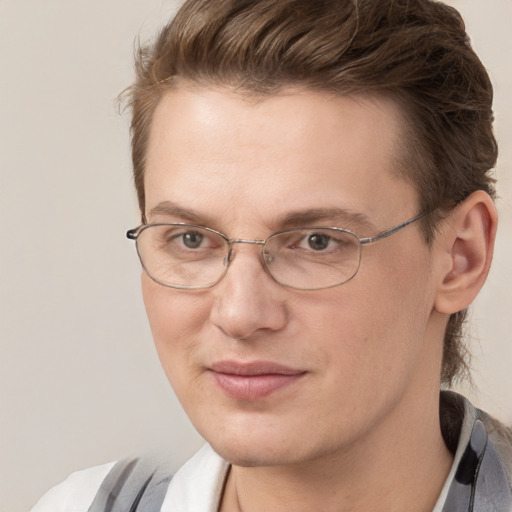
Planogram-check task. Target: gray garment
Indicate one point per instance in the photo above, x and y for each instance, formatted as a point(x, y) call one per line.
point(481, 476)
point(480, 479)
point(132, 486)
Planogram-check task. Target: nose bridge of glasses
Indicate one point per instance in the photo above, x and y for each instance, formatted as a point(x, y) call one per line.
point(233, 241)
point(244, 241)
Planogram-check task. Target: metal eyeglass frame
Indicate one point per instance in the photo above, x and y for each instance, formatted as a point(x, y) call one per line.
point(134, 233)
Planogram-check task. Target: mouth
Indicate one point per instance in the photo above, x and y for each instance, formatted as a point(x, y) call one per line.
point(254, 380)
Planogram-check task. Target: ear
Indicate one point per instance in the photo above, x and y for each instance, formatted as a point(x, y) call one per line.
point(466, 243)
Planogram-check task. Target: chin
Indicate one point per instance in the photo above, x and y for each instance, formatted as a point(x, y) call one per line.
point(259, 447)
point(255, 455)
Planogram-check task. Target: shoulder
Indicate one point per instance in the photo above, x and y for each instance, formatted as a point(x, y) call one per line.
point(482, 447)
point(141, 484)
point(76, 493)
point(120, 486)
point(501, 437)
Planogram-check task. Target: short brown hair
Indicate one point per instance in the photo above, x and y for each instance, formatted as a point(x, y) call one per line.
point(414, 51)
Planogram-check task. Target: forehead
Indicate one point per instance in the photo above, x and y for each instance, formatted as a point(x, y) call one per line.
point(222, 153)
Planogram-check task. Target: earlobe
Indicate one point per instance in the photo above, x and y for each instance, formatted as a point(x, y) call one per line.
point(467, 243)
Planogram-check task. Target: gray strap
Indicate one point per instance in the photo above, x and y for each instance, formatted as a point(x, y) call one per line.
point(132, 486)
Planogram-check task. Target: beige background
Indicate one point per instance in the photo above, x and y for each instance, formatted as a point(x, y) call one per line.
point(79, 381)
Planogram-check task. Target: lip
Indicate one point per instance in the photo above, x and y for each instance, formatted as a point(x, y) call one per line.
point(253, 380)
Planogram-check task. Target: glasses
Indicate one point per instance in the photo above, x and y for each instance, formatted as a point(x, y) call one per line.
point(193, 257)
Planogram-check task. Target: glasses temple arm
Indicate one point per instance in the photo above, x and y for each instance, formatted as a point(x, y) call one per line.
point(394, 229)
point(134, 233)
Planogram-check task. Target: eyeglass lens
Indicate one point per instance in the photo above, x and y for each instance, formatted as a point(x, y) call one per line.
point(193, 257)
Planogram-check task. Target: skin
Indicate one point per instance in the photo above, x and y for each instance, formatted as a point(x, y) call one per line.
point(360, 429)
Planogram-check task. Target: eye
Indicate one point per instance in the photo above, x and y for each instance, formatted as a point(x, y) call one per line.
point(186, 239)
point(192, 239)
point(321, 242)
point(318, 241)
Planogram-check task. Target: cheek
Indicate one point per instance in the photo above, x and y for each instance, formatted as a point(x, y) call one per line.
point(379, 322)
point(397, 281)
point(175, 318)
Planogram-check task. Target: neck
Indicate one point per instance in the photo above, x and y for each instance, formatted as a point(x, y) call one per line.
point(401, 466)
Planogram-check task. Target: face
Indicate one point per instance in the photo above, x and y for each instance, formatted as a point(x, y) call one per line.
point(269, 374)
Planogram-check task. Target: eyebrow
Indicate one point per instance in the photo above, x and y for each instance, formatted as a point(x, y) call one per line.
point(333, 217)
point(170, 209)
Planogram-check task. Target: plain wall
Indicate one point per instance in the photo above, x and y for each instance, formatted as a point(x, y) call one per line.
point(80, 383)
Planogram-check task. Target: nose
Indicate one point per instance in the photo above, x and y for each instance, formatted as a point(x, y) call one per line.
point(247, 300)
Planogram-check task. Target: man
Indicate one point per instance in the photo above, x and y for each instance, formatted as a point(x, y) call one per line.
point(317, 214)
